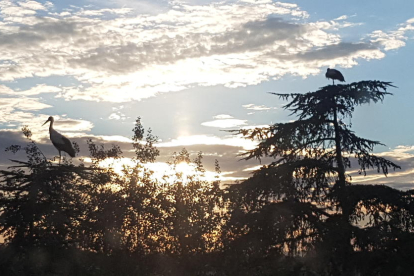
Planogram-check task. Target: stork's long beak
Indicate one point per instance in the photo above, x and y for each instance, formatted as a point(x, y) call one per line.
point(45, 122)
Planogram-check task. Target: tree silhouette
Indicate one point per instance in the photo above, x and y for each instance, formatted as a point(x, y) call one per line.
point(88, 219)
point(303, 203)
point(300, 214)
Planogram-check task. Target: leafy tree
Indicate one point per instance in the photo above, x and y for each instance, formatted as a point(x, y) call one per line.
point(42, 207)
point(303, 203)
point(88, 219)
point(193, 215)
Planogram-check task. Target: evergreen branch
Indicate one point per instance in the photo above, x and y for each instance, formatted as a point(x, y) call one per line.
point(352, 143)
point(286, 138)
point(367, 161)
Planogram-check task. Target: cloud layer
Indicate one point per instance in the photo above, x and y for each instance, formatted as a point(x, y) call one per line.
point(118, 55)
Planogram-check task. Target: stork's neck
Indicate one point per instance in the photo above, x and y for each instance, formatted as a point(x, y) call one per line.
point(51, 125)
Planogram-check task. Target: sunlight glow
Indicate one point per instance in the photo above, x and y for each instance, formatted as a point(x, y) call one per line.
point(185, 169)
point(162, 171)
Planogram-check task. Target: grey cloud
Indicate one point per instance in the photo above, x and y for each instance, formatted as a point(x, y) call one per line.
point(402, 186)
point(329, 52)
point(132, 57)
point(8, 138)
point(400, 178)
point(51, 27)
point(66, 122)
point(251, 36)
point(29, 36)
point(23, 39)
point(258, 34)
point(118, 59)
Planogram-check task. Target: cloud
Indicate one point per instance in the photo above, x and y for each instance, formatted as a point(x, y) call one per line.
point(225, 123)
point(402, 179)
point(390, 41)
point(183, 141)
point(36, 90)
point(9, 105)
point(114, 116)
point(257, 107)
point(32, 5)
point(252, 169)
point(72, 125)
point(101, 12)
point(342, 50)
point(115, 138)
point(131, 56)
point(223, 116)
point(394, 39)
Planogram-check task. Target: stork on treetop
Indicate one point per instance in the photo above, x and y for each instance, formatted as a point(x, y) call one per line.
point(334, 75)
point(60, 142)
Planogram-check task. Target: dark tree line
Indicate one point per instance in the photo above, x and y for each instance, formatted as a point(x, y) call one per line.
point(299, 215)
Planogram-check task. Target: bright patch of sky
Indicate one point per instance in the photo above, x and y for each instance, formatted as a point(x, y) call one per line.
point(193, 68)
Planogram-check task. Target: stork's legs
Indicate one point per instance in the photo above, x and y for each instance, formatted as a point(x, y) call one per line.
point(333, 82)
point(60, 156)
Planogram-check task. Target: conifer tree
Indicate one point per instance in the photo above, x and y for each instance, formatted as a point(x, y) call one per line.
point(303, 203)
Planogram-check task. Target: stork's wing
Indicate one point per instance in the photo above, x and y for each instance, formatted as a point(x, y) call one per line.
point(61, 142)
point(68, 147)
point(337, 75)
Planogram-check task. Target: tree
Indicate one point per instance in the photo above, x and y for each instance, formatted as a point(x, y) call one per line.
point(303, 203)
point(41, 208)
point(89, 219)
point(193, 214)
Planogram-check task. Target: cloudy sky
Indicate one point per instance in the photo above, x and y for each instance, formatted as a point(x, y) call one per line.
point(192, 69)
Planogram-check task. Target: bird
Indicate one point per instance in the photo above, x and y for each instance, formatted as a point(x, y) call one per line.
point(334, 75)
point(60, 142)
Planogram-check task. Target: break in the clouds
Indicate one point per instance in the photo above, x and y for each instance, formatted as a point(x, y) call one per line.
point(119, 55)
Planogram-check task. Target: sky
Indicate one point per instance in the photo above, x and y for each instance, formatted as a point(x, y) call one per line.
point(194, 69)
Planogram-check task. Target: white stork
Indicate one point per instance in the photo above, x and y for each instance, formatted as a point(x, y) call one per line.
point(60, 142)
point(334, 75)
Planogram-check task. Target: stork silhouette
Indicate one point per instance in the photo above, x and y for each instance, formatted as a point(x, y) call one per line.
point(334, 75)
point(60, 142)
